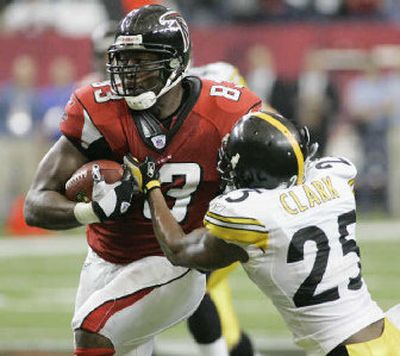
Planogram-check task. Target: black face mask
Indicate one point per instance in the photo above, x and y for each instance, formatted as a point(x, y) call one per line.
point(132, 79)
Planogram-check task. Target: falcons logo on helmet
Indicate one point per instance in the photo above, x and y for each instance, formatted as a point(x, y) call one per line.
point(174, 19)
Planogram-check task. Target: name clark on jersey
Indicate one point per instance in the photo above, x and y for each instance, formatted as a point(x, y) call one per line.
point(316, 193)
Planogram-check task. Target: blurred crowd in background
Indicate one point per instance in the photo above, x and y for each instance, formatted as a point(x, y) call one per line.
point(217, 11)
point(349, 98)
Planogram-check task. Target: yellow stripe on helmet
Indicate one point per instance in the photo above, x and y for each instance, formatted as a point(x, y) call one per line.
point(295, 145)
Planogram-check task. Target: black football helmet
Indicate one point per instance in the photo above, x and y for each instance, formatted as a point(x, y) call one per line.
point(264, 150)
point(152, 29)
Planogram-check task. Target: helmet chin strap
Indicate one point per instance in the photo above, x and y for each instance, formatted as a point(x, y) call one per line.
point(141, 102)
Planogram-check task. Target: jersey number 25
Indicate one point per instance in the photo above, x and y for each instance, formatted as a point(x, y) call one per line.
point(305, 295)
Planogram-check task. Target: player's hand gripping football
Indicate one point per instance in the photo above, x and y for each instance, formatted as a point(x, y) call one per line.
point(146, 173)
point(112, 200)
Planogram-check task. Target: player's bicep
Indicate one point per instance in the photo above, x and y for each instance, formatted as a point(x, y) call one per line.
point(57, 166)
point(201, 250)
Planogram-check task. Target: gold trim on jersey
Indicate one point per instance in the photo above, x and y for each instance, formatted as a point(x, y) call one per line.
point(295, 145)
point(234, 220)
point(351, 183)
point(242, 230)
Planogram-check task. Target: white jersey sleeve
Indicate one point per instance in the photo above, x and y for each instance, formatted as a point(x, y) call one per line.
point(233, 224)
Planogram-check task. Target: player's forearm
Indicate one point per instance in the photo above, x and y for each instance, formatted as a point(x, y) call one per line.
point(49, 210)
point(168, 232)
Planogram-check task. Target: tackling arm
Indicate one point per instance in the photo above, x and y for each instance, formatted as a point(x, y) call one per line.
point(45, 204)
point(198, 249)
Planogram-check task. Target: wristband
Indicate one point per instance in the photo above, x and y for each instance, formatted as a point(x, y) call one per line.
point(151, 185)
point(84, 213)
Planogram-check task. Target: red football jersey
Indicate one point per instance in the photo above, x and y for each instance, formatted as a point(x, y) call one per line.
point(101, 125)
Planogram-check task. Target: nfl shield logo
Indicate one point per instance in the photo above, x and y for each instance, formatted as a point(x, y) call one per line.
point(159, 141)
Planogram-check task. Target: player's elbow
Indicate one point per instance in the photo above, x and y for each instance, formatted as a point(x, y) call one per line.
point(174, 260)
point(31, 215)
point(182, 258)
point(172, 255)
point(176, 256)
point(178, 260)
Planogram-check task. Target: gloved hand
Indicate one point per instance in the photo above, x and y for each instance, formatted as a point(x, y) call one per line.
point(110, 201)
point(146, 173)
point(100, 187)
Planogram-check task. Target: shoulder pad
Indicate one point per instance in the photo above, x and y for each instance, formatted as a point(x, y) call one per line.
point(338, 166)
point(225, 103)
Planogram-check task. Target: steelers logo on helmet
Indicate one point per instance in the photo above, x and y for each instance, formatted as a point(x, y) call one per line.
point(149, 56)
point(264, 150)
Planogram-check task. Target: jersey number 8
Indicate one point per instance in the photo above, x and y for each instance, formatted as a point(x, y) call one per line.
point(226, 92)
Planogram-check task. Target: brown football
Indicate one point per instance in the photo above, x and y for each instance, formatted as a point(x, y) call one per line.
point(79, 187)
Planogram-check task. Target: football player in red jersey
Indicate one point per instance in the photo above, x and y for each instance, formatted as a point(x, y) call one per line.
point(128, 290)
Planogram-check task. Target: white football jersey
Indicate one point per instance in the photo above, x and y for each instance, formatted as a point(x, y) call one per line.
point(218, 71)
point(303, 253)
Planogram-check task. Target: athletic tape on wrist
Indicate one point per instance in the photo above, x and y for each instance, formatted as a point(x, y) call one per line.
point(151, 185)
point(84, 213)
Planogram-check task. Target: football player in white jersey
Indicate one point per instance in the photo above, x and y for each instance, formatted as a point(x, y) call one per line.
point(291, 222)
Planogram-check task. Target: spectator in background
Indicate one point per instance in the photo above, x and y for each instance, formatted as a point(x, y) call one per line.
point(263, 79)
point(317, 103)
point(364, 7)
point(247, 11)
point(392, 10)
point(114, 9)
point(19, 119)
point(68, 17)
point(368, 106)
point(118, 9)
point(240, 10)
point(129, 5)
point(54, 96)
point(392, 78)
point(19, 104)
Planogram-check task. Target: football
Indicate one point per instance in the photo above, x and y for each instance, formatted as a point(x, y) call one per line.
point(79, 187)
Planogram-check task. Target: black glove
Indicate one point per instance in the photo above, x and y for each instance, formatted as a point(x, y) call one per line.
point(146, 173)
point(117, 200)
